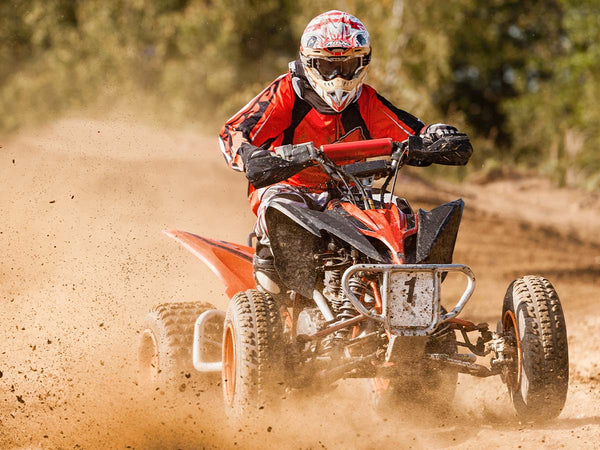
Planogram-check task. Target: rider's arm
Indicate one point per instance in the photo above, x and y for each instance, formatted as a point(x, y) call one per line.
point(258, 123)
point(264, 168)
point(384, 120)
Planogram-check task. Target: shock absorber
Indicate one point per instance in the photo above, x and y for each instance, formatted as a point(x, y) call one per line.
point(360, 288)
point(332, 280)
point(340, 304)
point(332, 291)
point(346, 310)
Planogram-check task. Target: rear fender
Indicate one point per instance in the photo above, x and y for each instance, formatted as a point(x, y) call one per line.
point(232, 263)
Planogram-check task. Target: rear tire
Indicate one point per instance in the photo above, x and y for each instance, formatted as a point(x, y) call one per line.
point(539, 377)
point(253, 359)
point(165, 350)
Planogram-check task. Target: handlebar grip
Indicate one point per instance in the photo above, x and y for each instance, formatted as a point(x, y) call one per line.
point(347, 151)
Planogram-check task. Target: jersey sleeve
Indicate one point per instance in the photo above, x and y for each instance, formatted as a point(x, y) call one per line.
point(385, 120)
point(258, 123)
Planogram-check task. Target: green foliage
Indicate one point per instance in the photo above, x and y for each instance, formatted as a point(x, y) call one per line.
point(520, 76)
point(188, 57)
point(557, 122)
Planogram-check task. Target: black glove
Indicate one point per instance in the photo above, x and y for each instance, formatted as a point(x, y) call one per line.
point(264, 167)
point(439, 130)
point(448, 147)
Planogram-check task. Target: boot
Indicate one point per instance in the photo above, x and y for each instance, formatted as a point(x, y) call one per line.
point(265, 275)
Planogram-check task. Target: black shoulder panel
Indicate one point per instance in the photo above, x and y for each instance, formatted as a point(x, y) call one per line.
point(299, 111)
point(255, 110)
point(415, 124)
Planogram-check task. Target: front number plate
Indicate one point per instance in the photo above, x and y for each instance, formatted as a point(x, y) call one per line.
point(411, 299)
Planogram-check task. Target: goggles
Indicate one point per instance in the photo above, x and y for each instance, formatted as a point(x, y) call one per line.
point(329, 69)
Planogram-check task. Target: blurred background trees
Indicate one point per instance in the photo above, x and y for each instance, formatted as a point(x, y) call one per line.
point(521, 76)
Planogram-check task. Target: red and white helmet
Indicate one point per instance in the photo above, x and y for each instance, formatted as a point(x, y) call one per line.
point(335, 50)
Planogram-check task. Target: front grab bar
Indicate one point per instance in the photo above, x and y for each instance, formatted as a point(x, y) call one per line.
point(387, 269)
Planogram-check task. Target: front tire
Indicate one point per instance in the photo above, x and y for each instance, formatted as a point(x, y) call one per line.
point(253, 358)
point(538, 378)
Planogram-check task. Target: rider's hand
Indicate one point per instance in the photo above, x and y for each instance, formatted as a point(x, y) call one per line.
point(264, 167)
point(246, 151)
point(438, 130)
point(439, 144)
point(297, 153)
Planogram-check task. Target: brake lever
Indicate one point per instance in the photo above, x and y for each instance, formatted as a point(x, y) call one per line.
point(398, 158)
point(323, 162)
point(399, 154)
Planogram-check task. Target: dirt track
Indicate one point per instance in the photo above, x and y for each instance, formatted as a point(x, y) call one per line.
point(81, 209)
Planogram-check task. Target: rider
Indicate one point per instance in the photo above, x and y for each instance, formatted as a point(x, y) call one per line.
point(321, 99)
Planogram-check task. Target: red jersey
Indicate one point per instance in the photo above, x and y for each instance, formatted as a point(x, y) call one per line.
point(288, 111)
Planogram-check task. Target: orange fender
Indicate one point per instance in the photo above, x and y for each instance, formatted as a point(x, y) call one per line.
point(232, 263)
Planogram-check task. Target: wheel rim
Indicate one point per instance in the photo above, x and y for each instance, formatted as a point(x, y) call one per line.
point(513, 375)
point(149, 357)
point(229, 363)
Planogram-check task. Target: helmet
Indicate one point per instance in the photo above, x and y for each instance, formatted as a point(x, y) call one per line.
point(335, 51)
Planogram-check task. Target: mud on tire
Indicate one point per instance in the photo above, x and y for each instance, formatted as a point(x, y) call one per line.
point(165, 350)
point(252, 376)
point(538, 380)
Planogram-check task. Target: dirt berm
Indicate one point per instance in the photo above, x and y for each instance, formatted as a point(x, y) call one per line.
point(82, 206)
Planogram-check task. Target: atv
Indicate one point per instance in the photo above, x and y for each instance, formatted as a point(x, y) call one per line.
point(362, 299)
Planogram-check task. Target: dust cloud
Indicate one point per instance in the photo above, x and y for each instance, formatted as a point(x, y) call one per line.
point(82, 206)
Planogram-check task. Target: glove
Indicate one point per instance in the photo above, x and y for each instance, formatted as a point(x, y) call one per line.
point(264, 167)
point(438, 130)
point(298, 153)
point(450, 149)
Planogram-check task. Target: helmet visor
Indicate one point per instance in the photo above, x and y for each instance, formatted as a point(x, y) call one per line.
point(329, 69)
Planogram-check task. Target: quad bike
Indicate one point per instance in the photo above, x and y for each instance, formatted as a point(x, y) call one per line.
point(361, 299)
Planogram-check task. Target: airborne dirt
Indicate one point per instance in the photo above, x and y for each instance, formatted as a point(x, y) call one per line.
point(82, 206)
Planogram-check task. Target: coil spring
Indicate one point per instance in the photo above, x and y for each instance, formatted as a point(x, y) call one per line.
point(333, 282)
point(346, 311)
point(341, 305)
point(358, 287)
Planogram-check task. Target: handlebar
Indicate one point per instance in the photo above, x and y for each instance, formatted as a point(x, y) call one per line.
point(416, 150)
point(347, 151)
point(331, 159)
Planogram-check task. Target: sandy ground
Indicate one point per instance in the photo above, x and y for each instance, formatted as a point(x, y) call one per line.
point(82, 206)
